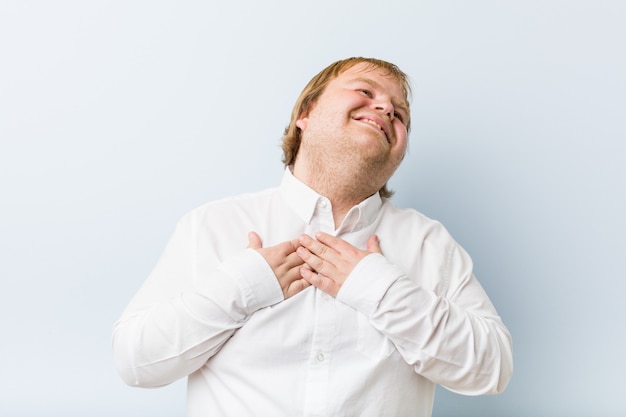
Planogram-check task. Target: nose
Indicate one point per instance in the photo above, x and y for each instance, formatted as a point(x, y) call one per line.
point(386, 107)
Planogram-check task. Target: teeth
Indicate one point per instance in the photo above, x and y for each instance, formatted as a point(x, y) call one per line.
point(373, 123)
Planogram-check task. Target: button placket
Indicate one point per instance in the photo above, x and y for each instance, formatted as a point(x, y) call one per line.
point(324, 217)
point(317, 394)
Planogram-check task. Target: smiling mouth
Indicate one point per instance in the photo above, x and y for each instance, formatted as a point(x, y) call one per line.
point(373, 123)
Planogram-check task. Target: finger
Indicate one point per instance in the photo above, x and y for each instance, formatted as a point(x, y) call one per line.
point(289, 276)
point(291, 261)
point(254, 241)
point(308, 258)
point(319, 281)
point(284, 249)
point(373, 244)
point(318, 248)
point(291, 282)
point(295, 287)
point(335, 243)
point(293, 245)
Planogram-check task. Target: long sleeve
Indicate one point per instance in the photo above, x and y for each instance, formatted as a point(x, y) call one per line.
point(213, 311)
point(189, 306)
point(450, 334)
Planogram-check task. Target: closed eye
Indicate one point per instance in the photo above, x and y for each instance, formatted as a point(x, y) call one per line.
point(368, 93)
point(398, 116)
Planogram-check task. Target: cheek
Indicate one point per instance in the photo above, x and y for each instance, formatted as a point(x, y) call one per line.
point(402, 136)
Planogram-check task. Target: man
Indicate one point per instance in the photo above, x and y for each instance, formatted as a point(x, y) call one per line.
point(319, 297)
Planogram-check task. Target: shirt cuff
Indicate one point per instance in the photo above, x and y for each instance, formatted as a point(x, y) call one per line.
point(255, 278)
point(368, 282)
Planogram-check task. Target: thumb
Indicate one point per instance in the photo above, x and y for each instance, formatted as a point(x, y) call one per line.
point(373, 244)
point(254, 241)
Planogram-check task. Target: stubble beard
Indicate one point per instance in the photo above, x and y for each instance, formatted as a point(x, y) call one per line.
point(349, 173)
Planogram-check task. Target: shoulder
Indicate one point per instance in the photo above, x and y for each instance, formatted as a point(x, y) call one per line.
point(409, 218)
point(231, 207)
point(428, 247)
point(417, 228)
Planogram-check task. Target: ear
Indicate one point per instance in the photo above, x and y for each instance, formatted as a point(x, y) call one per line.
point(302, 122)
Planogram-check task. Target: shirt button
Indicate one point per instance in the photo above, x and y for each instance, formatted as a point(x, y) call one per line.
point(325, 297)
point(320, 357)
point(322, 203)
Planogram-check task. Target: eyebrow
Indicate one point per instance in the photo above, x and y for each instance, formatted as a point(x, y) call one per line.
point(403, 105)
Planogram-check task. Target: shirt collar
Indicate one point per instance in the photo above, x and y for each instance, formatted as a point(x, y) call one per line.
point(303, 200)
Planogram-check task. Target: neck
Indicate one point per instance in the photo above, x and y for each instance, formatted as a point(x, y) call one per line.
point(344, 189)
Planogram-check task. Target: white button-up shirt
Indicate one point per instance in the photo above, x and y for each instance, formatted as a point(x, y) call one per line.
point(406, 320)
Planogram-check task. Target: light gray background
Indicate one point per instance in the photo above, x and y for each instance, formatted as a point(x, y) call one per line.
point(116, 117)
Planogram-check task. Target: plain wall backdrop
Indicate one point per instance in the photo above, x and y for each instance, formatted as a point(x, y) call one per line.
point(117, 117)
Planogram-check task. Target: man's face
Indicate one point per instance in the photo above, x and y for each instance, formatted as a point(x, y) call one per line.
point(361, 114)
